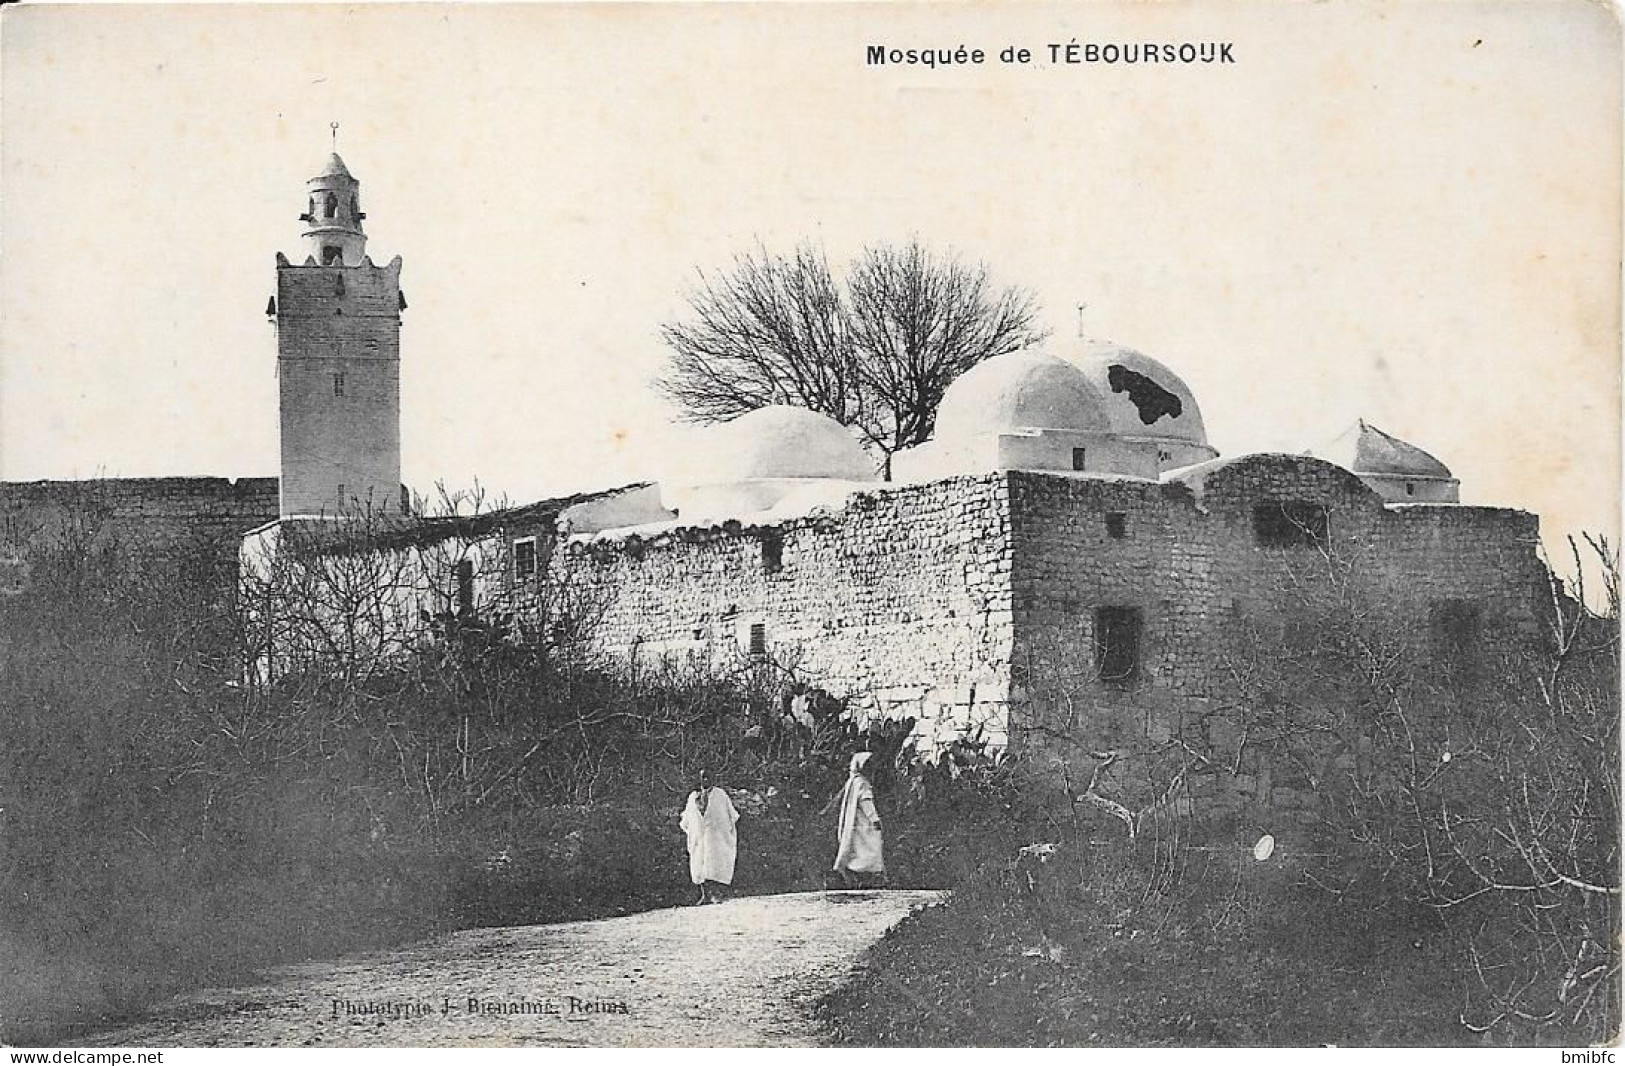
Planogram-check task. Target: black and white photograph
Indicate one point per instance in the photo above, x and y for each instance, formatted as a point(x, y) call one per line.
point(810, 525)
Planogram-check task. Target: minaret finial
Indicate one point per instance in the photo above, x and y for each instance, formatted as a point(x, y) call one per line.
point(1080, 320)
point(335, 128)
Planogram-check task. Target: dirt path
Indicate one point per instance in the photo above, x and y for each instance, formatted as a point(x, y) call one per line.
point(743, 973)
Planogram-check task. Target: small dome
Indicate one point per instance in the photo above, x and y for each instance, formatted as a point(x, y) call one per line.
point(1021, 391)
point(784, 442)
point(1396, 471)
point(1365, 449)
point(334, 166)
point(1143, 398)
point(767, 460)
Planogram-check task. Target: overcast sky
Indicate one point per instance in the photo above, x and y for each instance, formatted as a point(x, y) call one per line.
point(1402, 212)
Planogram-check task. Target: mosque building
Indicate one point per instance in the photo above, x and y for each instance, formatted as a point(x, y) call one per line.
point(1068, 527)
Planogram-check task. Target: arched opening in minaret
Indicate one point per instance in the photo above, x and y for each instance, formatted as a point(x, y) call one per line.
point(330, 206)
point(332, 256)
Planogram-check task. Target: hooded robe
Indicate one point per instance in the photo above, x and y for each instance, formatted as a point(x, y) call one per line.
point(858, 830)
point(712, 843)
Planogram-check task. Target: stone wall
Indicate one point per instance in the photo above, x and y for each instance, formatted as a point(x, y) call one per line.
point(1188, 556)
point(900, 600)
point(976, 600)
point(1085, 544)
point(1405, 558)
point(142, 513)
point(976, 603)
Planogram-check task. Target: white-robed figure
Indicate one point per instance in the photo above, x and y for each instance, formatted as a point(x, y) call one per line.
point(858, 855)
point(708, 821)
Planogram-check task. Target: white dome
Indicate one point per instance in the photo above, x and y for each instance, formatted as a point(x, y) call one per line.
point(1020, 392)
point(784, 442)
point(1396, 470)
point(1365, 449)
point(766, 460)
point(1143, 398)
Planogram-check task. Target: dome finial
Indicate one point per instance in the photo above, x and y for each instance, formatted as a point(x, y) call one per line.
point(334, 126)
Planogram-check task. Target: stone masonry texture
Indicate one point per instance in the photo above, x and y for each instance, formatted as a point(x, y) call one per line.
point(143, 513)
point(338, 367)
point(963, 602)
point(901, 600)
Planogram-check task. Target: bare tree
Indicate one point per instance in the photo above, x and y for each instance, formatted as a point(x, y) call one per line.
point(918, 320)
point(1478, 782)
point(875, 353)
point(772, 329)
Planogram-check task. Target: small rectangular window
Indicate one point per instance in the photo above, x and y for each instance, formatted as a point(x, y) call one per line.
point(772, 551)
point(464, 576)
point(524, 558)
point(758, 639)
point(1117, 642)
point(1079, 458)
point(1117, 525)
point(338, 384)
point(1456, 628)
point(1289, 524)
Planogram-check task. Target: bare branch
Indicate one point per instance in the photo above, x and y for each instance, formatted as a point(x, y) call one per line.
point(876, 353)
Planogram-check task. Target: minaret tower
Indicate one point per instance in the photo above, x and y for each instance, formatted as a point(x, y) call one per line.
point(334, 216)
point(338, 330)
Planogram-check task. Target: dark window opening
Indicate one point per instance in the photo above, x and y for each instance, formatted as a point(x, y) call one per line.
point(338, 384)
point(464, 576)
point(772, 551)
point(1079, 457)
point(332, 256)
point(524, 558)
point(1117, 642)
point(1289, 525)
point(758, 639)
point(1410, 488)
point(1457, 628)
point(1117, 525)
point(355, 208)
point(330, 205)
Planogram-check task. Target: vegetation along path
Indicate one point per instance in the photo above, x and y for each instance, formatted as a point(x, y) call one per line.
point(744, 972)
